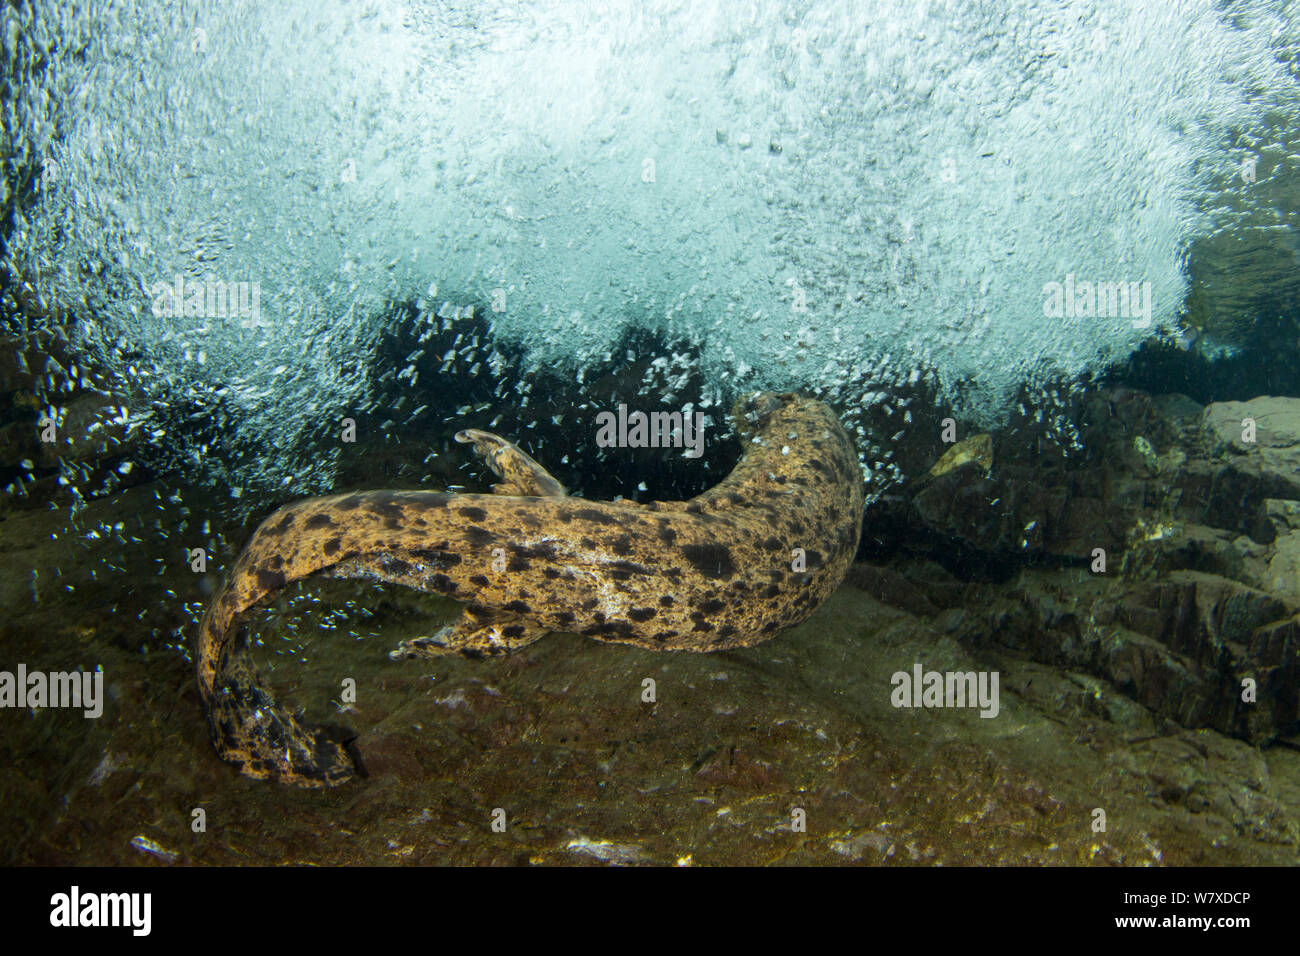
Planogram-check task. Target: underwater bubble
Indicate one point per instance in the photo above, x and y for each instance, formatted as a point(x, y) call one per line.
point(226, 226)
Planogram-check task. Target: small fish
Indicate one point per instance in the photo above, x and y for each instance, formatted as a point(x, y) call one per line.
point(977, 449)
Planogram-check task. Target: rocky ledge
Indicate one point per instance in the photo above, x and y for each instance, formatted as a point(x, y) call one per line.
point(1164, 559)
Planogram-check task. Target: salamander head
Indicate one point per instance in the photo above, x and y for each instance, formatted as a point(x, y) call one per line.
point(751, 412)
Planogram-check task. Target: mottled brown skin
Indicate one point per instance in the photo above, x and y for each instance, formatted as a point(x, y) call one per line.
point(702, 575)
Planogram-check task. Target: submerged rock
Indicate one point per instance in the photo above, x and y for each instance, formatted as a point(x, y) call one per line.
point(1166, 559)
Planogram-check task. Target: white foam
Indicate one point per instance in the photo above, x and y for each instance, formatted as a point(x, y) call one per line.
point(915, 174)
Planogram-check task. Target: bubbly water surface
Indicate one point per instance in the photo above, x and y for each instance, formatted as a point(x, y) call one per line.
point(837, 194)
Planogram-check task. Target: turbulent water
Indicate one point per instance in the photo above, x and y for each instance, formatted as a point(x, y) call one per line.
point(835, 196)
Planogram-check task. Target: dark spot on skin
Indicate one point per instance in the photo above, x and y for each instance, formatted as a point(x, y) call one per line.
point(625, 570)
point(277, 562)
point(543, 551)
point(711, 607)
point(270, 580)
point(619, 629)
point(519, 607)
point(588, 604)
point(622, 545)
point(284, 525)
point(479, 611)
point(392, 523)
point(667, 535)
point(771, 544)
point(550, 573)
point(642, 613)
point(474, 514)
point(666, 600)
point(436, 557)
point(440, 582)
point(318, 521)
point(439, 557)
point(387, 505)
point(472, 654)
point(565, 617)
point(395, 566)
point(477, 536)
point(814, 558)
point(351, 502)
point(480, 580)
point(772, 591)
point(701, 623)
point(518, 564)
point(513, 630)
point(594, 516)
point(727, 630)
point(711, 560)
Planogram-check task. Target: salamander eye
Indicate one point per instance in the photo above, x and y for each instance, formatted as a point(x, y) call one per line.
point(751, 411)
point(761, 405)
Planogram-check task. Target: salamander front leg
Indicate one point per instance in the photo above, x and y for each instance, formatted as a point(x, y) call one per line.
point(519, 473)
